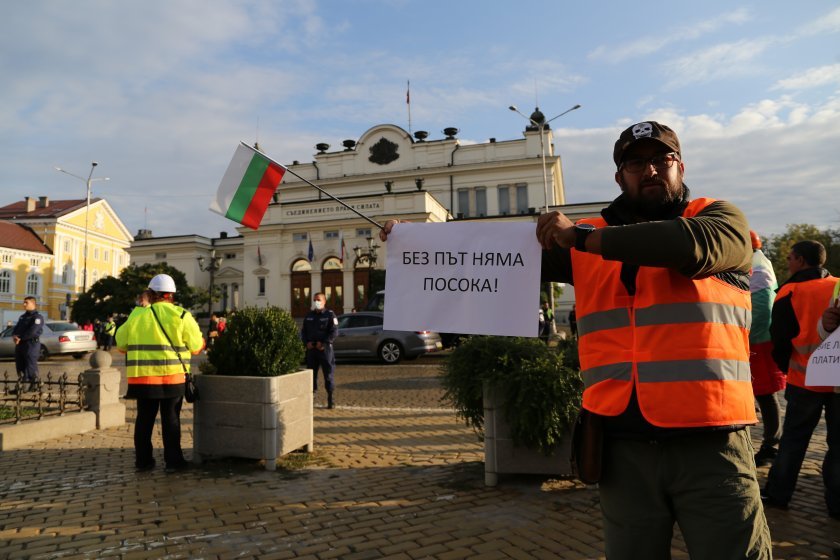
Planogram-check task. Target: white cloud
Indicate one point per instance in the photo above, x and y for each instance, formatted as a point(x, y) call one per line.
point(828, 23)
point(655, 42)
point(714, 63)
point(811, 78)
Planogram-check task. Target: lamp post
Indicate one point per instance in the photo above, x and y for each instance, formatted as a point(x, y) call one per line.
point(212, 266)
point(367, 254)
point(541, 124)
point(87, 181)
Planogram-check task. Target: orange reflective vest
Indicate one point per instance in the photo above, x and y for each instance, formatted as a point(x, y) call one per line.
point(809, 299)
point(682, 342)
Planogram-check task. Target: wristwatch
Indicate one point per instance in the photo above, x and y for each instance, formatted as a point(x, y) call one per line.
point(582, 231)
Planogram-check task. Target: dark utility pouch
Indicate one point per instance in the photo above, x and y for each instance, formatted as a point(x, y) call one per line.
point(588, 447)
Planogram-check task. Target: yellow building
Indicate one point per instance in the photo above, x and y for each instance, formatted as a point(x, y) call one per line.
point(65, 226)
point(24, 263)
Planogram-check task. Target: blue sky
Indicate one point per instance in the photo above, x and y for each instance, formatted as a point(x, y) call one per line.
point(160, 92)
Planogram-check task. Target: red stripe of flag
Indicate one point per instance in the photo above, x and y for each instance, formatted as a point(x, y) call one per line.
point(259, 204)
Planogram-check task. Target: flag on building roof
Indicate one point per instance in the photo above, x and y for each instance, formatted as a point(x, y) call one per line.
point(311, 254)
point(247, 186)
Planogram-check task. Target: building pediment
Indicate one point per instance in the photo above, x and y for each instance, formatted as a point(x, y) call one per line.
point(229, 273)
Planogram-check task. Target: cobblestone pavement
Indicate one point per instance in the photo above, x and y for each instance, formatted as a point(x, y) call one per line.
point(394, 475)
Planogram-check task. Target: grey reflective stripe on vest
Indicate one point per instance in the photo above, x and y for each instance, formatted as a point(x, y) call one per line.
point(701, 312)
point(618, 372)
point(603, 320)
point(796, 366)
point(154, 348)
point(141, 363)
point(694, 370)
point(807, 349)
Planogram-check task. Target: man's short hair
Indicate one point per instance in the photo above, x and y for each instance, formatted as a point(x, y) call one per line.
point(813, 252)
point(319, 294)
point(30, 298)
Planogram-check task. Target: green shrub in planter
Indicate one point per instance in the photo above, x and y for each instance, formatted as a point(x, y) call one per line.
point(258, 341)
point(541, 386)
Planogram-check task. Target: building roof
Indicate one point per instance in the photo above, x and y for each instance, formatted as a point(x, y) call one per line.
point(41, 208)
point(16, 236)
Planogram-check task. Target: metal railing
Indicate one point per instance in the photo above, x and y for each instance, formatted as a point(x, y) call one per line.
point(22, 400)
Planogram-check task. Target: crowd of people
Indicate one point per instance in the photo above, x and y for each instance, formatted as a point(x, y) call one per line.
point(682, 332)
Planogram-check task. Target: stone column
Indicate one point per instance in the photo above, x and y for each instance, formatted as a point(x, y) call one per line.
point(101, 384)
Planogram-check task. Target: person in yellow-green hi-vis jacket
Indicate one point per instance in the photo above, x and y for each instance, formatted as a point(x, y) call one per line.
point(156, 363)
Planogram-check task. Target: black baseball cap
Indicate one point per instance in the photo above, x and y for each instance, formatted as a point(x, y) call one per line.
point(645, 130)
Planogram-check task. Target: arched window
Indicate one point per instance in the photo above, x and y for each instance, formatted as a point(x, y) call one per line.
point(65, 274)
point(332, 263)
point(33, 284)
point(301, 265)
point(5, 282)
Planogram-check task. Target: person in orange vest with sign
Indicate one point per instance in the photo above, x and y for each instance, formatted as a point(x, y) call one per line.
point(663, 317)
point(800, 304)
point(663, 309)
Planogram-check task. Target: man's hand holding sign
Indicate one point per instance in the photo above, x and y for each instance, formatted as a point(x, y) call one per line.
point(466, 277)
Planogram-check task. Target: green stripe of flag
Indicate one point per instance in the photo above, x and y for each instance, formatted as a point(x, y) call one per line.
point(247, 188)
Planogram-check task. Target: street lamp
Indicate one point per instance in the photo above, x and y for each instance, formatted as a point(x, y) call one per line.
point(367, 254)
point(212, 266)
point(541, 124)
point(87, 181)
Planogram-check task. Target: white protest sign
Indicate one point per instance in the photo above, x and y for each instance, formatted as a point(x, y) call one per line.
point(464, 277)
point(824, 363)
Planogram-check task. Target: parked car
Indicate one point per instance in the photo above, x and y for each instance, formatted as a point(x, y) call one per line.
point(59, 337)
point(450, 340)
point(360, 335)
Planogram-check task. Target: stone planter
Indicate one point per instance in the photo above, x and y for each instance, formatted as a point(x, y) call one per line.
point(253, 417)
point(501, 456)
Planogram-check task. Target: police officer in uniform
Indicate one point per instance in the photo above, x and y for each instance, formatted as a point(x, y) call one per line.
point(26, 334)
point(320, 327)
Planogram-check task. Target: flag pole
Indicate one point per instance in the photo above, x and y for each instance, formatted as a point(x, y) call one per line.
point(408, 103)
point(311, 184)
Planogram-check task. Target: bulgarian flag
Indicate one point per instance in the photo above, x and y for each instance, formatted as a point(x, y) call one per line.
point(247, 187)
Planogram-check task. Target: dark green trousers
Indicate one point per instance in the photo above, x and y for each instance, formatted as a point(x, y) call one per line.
point(704, 482)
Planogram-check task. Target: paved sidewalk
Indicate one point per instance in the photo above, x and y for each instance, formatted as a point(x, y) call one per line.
point(386, 482)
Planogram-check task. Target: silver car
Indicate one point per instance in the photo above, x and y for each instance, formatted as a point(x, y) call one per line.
point(59, 337)
point(360, 335)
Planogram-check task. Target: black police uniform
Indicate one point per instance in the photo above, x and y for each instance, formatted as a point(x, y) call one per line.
point(29, 327)
point(321, 327)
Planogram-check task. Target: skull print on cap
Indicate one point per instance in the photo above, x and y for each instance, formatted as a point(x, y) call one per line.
point(643, 131)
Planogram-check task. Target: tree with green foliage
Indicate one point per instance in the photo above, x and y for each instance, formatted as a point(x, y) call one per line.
point(777, 247)
point(113, 295)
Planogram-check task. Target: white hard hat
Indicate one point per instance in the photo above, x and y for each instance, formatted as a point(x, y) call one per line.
point(162, 283)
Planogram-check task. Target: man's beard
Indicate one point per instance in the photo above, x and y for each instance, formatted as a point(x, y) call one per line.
point(656, 202)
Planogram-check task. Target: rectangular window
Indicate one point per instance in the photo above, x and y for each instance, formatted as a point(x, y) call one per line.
point(67, 245)
point(504, 200)
point(7, 257)
point(96, 253)
point(331, 234)
point(363, 232)
point(105, 255)
point(480, 202)
point(300, 236)
point(521, 199)
point(160, 256)
point(464, 203)
point(34, 263)
point(261, 286)
point(230, 256)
